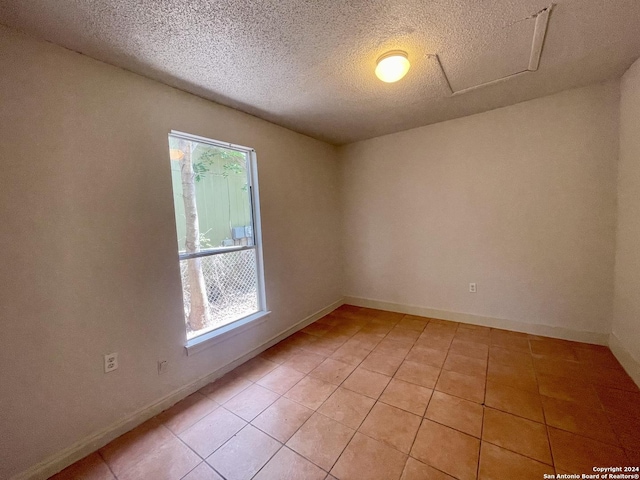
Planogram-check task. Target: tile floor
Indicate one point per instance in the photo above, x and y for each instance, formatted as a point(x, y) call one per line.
point(366, 394)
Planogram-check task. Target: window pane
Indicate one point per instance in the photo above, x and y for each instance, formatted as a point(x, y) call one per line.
point(213, 209)
point(231, 285)
point(222, 196)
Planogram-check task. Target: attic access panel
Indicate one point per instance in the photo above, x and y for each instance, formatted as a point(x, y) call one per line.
point(502, 54)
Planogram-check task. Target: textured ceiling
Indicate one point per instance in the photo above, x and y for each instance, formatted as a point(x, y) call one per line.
point(308, 64)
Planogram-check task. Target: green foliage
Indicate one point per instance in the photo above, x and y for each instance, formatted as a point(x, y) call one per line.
point(204, 240)
point(234, 162)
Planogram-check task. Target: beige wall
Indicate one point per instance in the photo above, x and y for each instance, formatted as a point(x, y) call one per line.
point(521, 200)
point(626, 318)
point(88, 244)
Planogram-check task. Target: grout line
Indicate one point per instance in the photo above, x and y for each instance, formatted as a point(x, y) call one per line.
point(270, 458)
point(186, 474)
point(105, 462)
point(484, 407)
point(544, 414)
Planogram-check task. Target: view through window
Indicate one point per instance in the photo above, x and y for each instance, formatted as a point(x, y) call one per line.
point(220, 262)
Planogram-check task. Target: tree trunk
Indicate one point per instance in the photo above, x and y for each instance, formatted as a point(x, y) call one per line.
point(199, 311)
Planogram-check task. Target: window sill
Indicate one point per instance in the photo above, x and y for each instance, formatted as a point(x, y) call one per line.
point(221, 334)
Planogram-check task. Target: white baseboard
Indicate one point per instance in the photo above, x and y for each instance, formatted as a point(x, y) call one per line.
point(90, 444)
point(532, 328)
point(630, 364)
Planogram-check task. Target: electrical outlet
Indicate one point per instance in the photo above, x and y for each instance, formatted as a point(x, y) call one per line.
point(162, 366)
point(110, 362)
point(473, 288)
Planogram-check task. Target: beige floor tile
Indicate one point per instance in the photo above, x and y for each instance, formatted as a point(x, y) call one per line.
point(304, 361)
point(91, 467)
point(282, 418)
point(402, 334)
point(381, 363)
point(507, 356)
point(469, 349)
point(244, 454)
point(626, 429)
point(187, 412)
point(415, 470)
point(513, 400)
point(347, 407)
point(565, 389)
point(426, 356)
point(321, 440)
point(552, 348)
point(436, 324)
point(281, 379)
point(288, 465)
point(597, 355)
point(559, 367)
point(203, 472)
point(298, 340)
point(591, 409)
point(324, 346)
point(331, 320)
point(460, 385)
point(467, 335)
point(311, 392)
point(249, 403)
point(392, 426)
point(389, 317)
point(479, 330)
point(517, 376)
point(332, 371)
point(437, 341)
point(456, 412)
point(620, 402)
point(212, 431)
point(279, 353)
point(366, 382)
point(420, 374)
point(338, 334)
point(367, 340)
point(377, 329)
point(610, 377)
point(510, 339)
point(393, 348)
point(576, 418)
point(126, 450)
point(517, 434)
point(366, 458)
point(171, 461)
point(466, 365)
point(413, 322)
point(255, 369)
point(407, 396)
point(499, 464)
point(447, 450)
point(351, 352)
point(577, 454)
point(318, 329)
point(224, 388)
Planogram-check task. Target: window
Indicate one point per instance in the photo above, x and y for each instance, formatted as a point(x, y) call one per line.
point(215, 194)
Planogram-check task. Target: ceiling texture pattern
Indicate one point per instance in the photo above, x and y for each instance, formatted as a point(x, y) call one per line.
point(309, 65)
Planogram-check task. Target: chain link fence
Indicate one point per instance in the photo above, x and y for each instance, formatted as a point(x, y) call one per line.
point(232, 287)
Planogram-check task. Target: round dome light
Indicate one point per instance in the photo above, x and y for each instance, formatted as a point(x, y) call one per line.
point(392, 66)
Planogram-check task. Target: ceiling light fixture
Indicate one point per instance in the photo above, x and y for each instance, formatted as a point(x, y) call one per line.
point(392, 66)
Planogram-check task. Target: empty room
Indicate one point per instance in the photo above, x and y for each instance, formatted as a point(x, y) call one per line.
point(319, 240)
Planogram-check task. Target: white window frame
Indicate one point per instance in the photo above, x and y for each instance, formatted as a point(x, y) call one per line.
point(236, 327)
